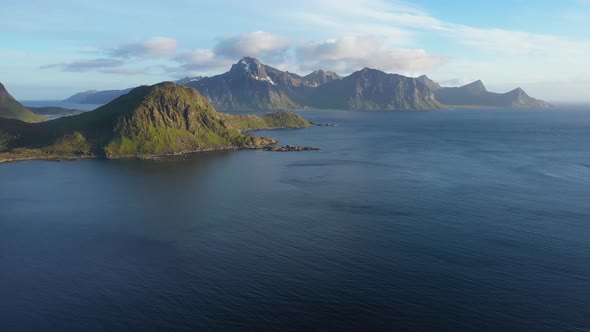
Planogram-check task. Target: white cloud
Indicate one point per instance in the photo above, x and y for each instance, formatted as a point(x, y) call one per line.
point(260, 44)
point(502, 58)
point(393, 15)
point(154, 47)
point(111, 61)
point(509, 42)
point(352, 53)
point(202, 60)
point(253, 44)
point(84, 65)
point(122, 71)
point(345, 26)
point(400, 21)
point(391, 35)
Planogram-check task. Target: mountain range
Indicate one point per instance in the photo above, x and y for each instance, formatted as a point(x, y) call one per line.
point(252, 85)
point(165, 118)
point(476, 95)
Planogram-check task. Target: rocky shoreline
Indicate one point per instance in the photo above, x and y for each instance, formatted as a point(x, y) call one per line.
point(288, 148)
point(275, 148)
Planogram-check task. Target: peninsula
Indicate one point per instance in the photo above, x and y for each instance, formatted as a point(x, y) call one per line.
point(162, 119)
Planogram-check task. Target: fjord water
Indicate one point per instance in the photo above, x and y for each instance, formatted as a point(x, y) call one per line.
point(60, 103)
point(474, 219)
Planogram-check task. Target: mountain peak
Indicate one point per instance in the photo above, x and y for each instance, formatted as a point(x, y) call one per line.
point(3, 92)
point(249, 59)
point(320, 77)
point(428, 82)
point(12, 109)
point(249, 64)
point(253, 69)
point(476, 86)
point(368, 70)
point(519, 90)
point(519, 94)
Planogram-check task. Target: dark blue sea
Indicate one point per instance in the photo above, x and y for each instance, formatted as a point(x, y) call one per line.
point(60, 103)
point(444, 220)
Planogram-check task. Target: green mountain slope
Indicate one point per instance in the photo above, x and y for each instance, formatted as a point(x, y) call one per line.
point(161, 119)
point(12, 109)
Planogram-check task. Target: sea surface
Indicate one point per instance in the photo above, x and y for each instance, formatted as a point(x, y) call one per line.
point(452, 220)
point(60, 103)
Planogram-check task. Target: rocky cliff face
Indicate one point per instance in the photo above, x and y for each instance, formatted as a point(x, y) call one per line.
point(371, 89)
point(432, 85)
point(247, 86)
point(520, 99)
point(252, 85)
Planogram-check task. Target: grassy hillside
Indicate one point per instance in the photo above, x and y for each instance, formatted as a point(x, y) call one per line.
point(162, 119)
point(280, 119)
point(12, 109)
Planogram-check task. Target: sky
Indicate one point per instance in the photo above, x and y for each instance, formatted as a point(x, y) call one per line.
point(54, 48)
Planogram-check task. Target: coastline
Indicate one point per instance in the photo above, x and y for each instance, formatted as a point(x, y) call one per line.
point(5, 156)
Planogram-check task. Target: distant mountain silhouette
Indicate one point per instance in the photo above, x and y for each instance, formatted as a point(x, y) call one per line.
point(96, 97)
point(476, 94)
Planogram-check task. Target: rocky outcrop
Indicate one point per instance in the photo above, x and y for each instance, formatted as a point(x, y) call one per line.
point(289, 148)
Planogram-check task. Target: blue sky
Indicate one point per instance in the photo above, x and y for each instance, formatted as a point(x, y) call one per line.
point(52, 49)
